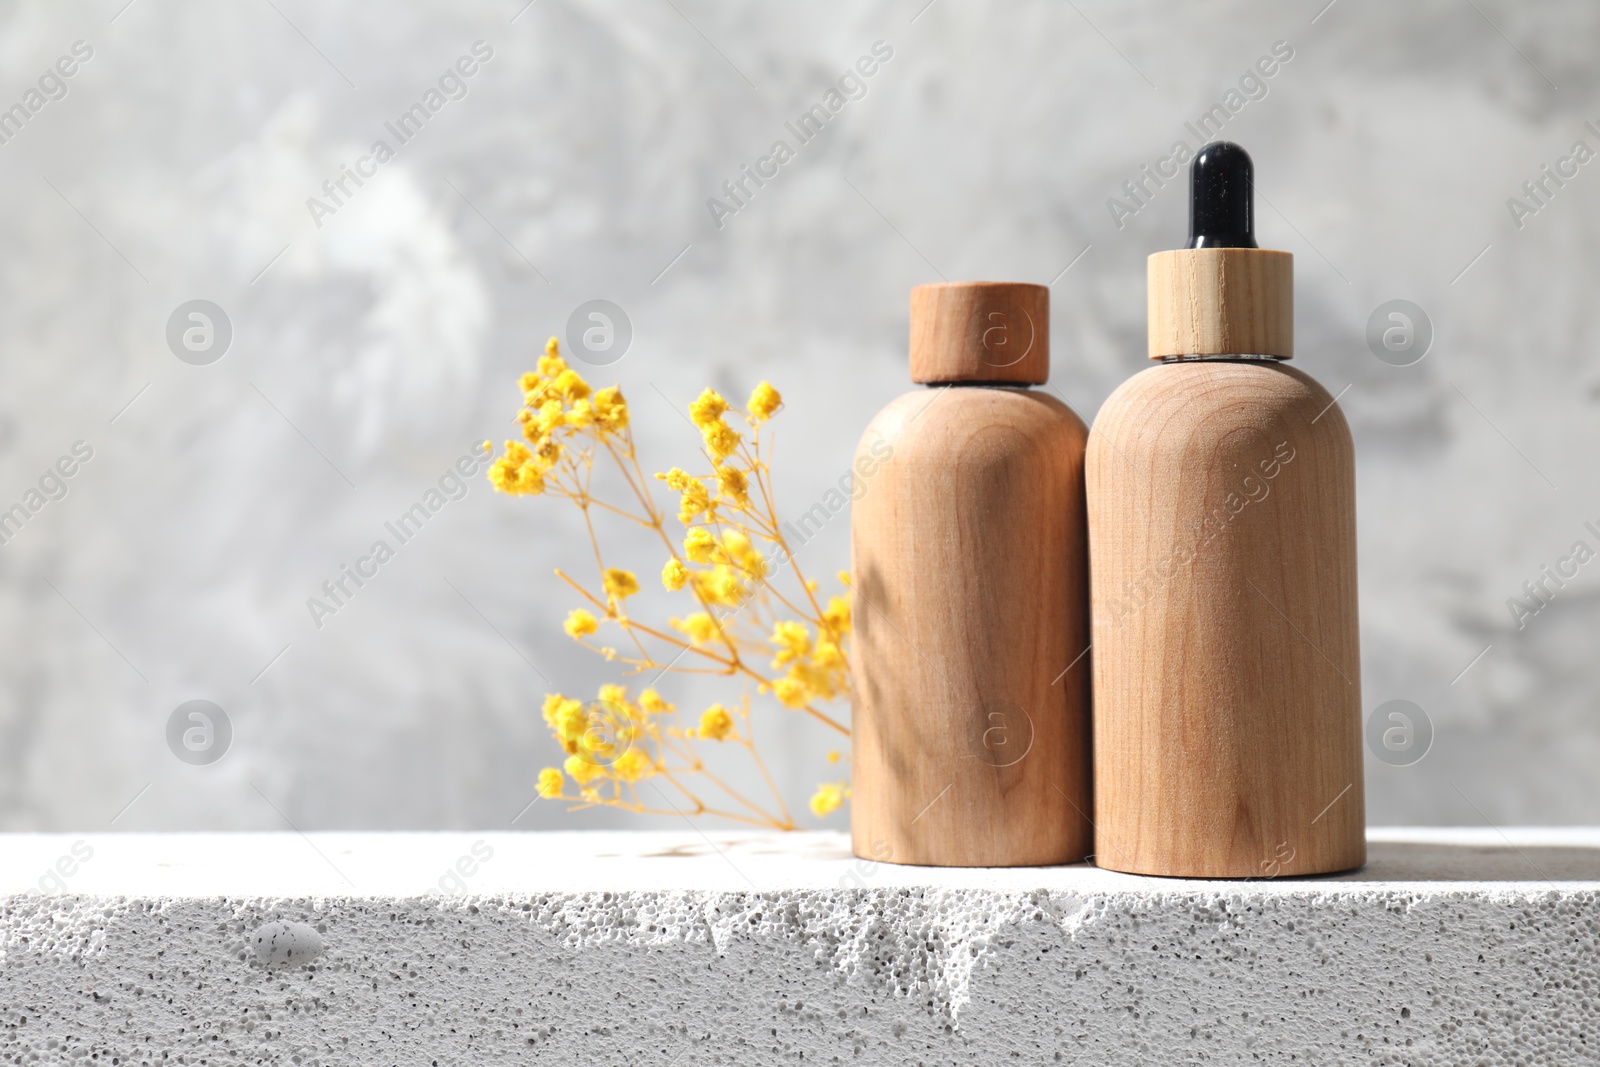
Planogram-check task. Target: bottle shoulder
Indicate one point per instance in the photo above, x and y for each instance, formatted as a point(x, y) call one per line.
point(1202, 403)
point(939, 417)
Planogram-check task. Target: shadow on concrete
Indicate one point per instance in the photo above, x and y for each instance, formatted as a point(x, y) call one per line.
point(1434, 861)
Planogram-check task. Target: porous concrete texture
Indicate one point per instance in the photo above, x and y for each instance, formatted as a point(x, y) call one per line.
point(1451, 947)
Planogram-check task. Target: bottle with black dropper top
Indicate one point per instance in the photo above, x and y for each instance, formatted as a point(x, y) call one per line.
point(1221, 502)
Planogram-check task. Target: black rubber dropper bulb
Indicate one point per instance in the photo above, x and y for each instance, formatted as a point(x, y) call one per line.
point(1221, 191)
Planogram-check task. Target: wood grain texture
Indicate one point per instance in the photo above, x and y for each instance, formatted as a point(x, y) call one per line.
point(980, 332)
point(970, 735)
point(1216, 301)
point(1227, 684)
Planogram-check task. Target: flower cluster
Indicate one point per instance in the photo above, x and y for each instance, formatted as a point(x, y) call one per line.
point(752, 616)
point(556, 403)
point(611, 739)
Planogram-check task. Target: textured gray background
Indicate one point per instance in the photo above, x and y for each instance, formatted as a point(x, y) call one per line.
point(371, 350)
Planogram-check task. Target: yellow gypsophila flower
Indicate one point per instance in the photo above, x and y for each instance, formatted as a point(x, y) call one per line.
point(620, 583)
point(791, 641)
point(700, 627)
point(581, 415)
point(567, 718)
point(632, 765)
point(791, 693)
point(721, 586)
point(764, 403)
point(827, 798)
point(581, 770)
point(615, 698)
point(699, 546)
point(721, 439)
point(596, 744)
point(551, 419)
point(732, 484)
point(695, 498)
point(737, 546)
point(580, 623)
point(674, 575)
point(651, 701)
point(610, 409)
point(715, 723)
point(837, 617)
point(828, 657)
point(550, 368)
point(570, 385)
point(694, 502)
point(817, 682)
point(550, 783)
point(707, 409)
point(515, 472)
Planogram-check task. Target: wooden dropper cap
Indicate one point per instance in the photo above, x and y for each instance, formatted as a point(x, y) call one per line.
point(991, 332)
point(1221, 296)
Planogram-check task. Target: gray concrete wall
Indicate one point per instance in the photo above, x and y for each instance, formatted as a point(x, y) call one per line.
point(367, 351)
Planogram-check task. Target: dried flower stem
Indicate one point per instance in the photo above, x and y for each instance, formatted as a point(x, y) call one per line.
point(731, 533)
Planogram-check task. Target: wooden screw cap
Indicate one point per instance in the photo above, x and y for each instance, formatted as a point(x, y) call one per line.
point(1221, 302)
point(980, 332)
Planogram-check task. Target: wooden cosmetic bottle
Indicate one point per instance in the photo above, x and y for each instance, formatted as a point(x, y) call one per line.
point(1222, 540)
point(970, 733)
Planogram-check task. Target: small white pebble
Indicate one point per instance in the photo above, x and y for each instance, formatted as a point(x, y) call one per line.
point(285, 944)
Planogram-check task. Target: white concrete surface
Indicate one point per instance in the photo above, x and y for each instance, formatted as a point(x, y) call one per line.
point(1451, 947)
